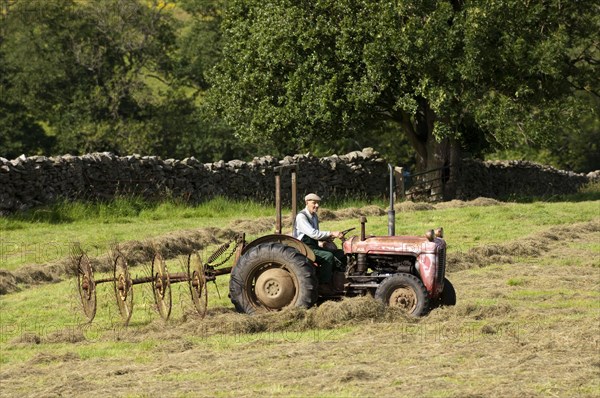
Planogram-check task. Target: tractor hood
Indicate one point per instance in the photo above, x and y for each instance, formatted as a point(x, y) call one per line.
point(391, 244)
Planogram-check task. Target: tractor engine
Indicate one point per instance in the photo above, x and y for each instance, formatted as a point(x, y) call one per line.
point(278, 271)
point(382, 264)
point(408, 271)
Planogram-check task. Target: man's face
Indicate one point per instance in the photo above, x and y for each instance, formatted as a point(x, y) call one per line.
point(312, 206)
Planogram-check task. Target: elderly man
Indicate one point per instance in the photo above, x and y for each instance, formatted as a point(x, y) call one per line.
point(306, 229)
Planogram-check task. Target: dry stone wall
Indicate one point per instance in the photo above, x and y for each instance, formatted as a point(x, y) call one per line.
point(516, 179)
point(29, 181)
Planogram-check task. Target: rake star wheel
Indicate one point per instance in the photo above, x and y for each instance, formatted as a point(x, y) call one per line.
point(161, 286)
point(123, 288)
point(197, 283)
point(86, 286)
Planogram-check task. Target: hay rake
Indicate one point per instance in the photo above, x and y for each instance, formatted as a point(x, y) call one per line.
point(197, 275)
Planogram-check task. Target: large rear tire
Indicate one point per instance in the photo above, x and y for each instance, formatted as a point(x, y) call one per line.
point(270, 277)
point(404, 291)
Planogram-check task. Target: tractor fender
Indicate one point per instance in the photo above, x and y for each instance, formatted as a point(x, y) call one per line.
point(286, 240)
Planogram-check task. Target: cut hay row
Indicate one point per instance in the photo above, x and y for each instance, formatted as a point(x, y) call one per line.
point(530, 246)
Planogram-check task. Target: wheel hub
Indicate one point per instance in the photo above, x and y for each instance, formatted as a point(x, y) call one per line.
point(196, 283)
point(122, 287)
point(275, 288)
point(85, 286)
point(404, 298)
point(159, 285)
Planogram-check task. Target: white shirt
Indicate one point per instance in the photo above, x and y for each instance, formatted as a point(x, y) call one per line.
point(308, 224)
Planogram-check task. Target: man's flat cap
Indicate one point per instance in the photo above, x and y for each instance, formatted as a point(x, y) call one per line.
point(312, 196)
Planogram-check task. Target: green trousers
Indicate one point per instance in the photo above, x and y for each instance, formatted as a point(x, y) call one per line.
point(328, 260)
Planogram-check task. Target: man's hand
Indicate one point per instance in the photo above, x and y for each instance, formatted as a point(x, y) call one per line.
point(337, 234)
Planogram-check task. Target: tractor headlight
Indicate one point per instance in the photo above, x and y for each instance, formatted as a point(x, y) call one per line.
point(430, 235)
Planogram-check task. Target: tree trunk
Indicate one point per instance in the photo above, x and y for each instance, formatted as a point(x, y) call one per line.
point(443, 159)
point(440, 159)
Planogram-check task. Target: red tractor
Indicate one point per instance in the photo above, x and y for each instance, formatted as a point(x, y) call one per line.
point(277, 271)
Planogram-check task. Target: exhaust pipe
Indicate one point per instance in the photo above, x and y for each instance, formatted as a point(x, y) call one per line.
point(363, 229)
point(278, 171)
point(391, 211)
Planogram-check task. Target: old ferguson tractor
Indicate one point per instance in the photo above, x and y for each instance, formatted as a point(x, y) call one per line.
point(277, 271)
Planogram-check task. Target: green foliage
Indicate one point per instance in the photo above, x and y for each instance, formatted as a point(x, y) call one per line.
point(308, 73)
point(21, 134)
point(200, 41)
point(81, 67)
point(102, 76)
point(575, 148)
point(119, 76)
point(130, 76)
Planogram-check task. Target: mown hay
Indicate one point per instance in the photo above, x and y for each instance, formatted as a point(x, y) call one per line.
point(8, 282)
point(532, 246)
point(329, 315)
point(479, 312)
point(70, 335)
point(453, 204)
point(483, 201)
point(26, 338)
point(253, 227)
point(412, 206)
point(327, 215)
point(332, 314)
point(32, 275)
point(46, 358)
point(372, 210)
point(351, 212)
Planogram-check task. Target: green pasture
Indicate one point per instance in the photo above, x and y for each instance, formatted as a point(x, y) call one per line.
point(46, 234)
point(43, 325)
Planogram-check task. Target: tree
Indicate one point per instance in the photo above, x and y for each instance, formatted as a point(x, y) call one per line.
point(95, 73)
point(199, 46)
point(576, 149)
point(449, 74)
point(200, 41)
point(19, 132)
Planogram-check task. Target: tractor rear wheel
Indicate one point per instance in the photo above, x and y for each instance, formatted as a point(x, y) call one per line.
point(270, 277)
point(406, 292)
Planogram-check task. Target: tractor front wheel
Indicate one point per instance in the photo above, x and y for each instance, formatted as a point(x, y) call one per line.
point(404, 291)
point(270, 277)
point(448, 296)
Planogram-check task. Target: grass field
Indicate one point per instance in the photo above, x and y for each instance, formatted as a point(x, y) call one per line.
point(527, 320)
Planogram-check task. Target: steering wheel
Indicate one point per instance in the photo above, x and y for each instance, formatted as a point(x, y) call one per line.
point(344, 232)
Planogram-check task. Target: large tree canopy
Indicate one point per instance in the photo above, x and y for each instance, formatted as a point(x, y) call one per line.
point(321, 75)
point(90, 70)
point(125, 76)
point(446, 73)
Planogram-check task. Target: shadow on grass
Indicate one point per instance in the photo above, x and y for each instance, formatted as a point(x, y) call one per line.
point(64, 212)
point(587, 193)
